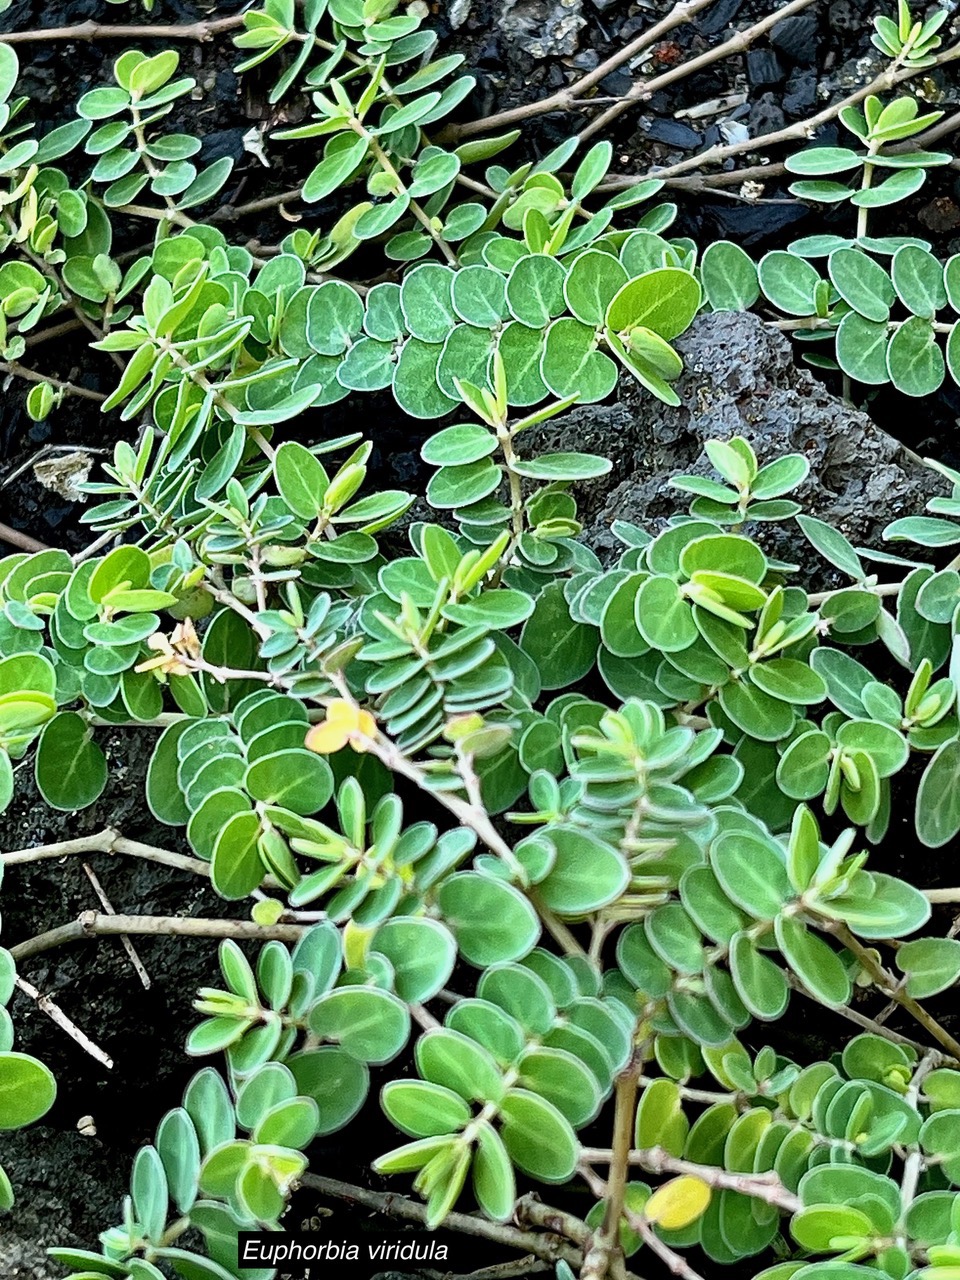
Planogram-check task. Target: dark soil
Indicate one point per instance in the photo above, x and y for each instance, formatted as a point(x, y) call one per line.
point(741, 377)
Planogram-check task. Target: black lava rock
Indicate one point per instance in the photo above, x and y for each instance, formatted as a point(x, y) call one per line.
point(764, 67)
point(800, 92)
point(796, 38)
point(718, 16)
point(766, 116)
point(674, 134)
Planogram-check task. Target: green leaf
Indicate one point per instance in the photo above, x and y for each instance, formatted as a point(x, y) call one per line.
point(235, 868)
point(665, 301)
point(931, 965)
point(833, 546)
point(861, 348)
point(492, 921)
point(300, 478)
point(333, 172)
point(914, 359)
point(586, 875)
point(760, 983)
point(564, 650)
point(534, 290)
point(729, 277)
point(369, 1024)
point(537, 1138)
point(27, 1090)
point(424, 1110)
point(815, 963)
point(862, 283)
point(592, 283)
point(71, 769)
point(752, 873)
point(493, 1182)
point(422, 953)
point(789, 282)
point(918, 280)
point(938, 797)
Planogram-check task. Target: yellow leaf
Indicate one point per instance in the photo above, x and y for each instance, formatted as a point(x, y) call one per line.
point(678, 1203)
point(356, 944)
point(345, 722)
point(326, 737)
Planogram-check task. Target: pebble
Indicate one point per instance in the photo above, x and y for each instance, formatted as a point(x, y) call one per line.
point(673, 134)
point(719, 16)
point(800, 92)
point(543, 28)
point(766, 116)
point(796, 38)
point(764, 67)
point(616, 84)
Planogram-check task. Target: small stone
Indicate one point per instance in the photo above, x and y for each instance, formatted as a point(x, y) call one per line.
point(585, 60)
point(800, 92)
point(718, 16)
point(940, 215)
point(796, 38)
point(603, 5)
point(616, 84)
point(766, 116)
point(763, 67)
point(543, 28)
point(458, 13)
point(673, 134)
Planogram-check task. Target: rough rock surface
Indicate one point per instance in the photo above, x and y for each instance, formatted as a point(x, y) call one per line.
point(740, 379)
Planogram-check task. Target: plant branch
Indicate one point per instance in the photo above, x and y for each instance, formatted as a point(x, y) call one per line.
point(88, 31)
point(606, 1240)
point(549, 1248)
point(759, 1186)
point(106, 841)
point(886, 984)
point(92, 924)
point(56, 1014)
point(18, 370)
point(22, 540)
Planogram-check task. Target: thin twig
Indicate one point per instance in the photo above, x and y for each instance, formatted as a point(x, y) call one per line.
point(92, 924)
point(646, 88)
point(21, 540)
point(56, 1014)
point(87, 31)
point(889, 987)
point(30, 375)
point(127, 944)
point(106, 841)
point(759, 1186)
point(675, 1262)
point(549, 1248)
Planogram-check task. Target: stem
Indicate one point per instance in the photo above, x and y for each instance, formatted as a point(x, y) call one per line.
point(30, 375)
point(107, 841)
point(56, 1014)
point(90, 30)
point(606, 1240)
point(866, 181)
point(802, 130)
point(761, 1186)
point(890, 988)
point(22, 540)
point(385, 163)
point(644, 89)
point(92, 924)
point(676, 1264)
point(549, 1248)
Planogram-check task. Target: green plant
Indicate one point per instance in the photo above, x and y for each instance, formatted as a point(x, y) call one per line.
point(630, 768)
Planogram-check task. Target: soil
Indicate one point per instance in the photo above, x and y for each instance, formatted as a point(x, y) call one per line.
point(741, 378)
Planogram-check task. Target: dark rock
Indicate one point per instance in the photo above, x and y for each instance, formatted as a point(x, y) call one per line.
point(766, 116)
point(603, 5)
point(764, 67)
point(751, 224)
point(586, 60)
point(740, 379)
point(673, 133)
point(224, 142)
point(616, 84)
point(796, 38)
point(719, 16)
point(800, 92)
